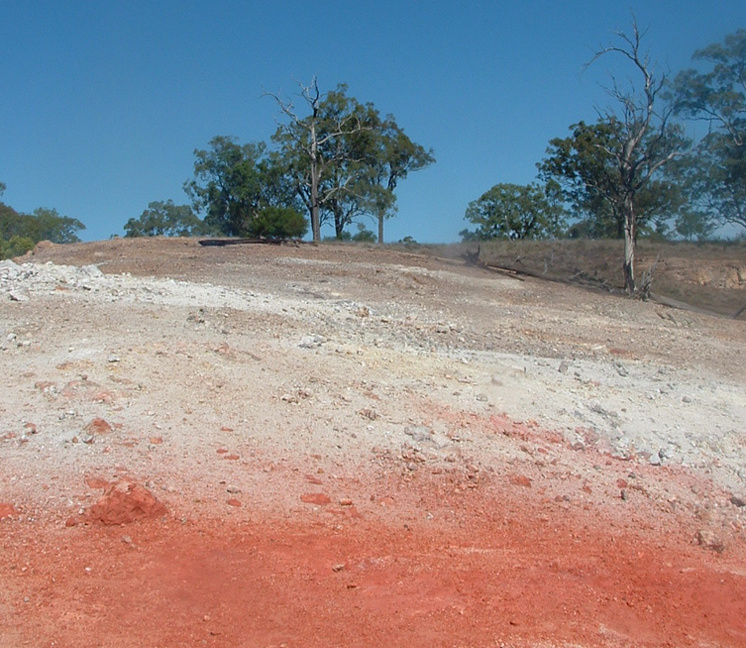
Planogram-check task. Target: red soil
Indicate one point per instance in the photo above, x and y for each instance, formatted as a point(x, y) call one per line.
point(422, 566)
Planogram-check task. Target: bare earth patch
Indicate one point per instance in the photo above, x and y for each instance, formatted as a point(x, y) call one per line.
point(315, 446)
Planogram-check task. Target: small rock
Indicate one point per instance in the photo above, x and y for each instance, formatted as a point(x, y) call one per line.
point(7, 510)
point(655, 459)
point(338, 568)
point(315, 498)
point(737, 501)
point(233, 490)
point(520, 480)
point(368, 413)
point(19, 295)
point(708, 540)
point(311, 341)
point(98, 426)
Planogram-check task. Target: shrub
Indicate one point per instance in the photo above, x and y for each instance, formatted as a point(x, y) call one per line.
point(278, 223)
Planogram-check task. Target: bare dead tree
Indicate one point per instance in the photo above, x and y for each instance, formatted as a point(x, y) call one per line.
point(309, 135)
point(647, 138)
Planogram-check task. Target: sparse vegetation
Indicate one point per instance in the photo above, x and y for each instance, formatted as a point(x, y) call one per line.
point(20, 232)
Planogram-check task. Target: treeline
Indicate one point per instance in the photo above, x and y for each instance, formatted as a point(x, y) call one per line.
point(333, 160)
point(20, 232)
point(634, 172)
point(336, 162)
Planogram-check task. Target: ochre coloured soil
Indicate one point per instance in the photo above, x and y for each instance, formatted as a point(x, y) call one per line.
point(483, 567)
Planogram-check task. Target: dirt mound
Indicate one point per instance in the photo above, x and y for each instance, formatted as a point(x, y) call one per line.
point(123, 503)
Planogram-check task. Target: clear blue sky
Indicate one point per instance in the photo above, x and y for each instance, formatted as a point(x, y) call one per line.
point(102, 103)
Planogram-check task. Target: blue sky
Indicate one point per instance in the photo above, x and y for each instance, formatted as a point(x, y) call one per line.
point(103, 103)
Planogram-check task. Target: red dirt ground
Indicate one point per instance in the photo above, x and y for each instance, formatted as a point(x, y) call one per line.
point(504, 565)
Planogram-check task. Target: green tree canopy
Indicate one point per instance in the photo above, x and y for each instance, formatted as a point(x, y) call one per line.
point(511, 211)
point(274, 222)
point(20, 232)
point(233, 182)
point(343, 159)
point(590, 179)
point(165, 219)
point(715, 173)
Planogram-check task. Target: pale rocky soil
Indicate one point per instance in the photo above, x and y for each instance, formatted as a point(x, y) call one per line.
point(258, 337)
point(287, 363)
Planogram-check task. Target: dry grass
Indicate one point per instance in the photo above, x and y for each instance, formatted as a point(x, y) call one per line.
point(710, 276)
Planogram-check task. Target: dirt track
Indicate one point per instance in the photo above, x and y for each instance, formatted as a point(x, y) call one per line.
point(357, 447)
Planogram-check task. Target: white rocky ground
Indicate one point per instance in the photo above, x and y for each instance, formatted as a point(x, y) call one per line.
point(324, 341)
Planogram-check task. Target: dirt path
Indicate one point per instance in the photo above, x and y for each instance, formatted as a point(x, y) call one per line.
point(320, 446)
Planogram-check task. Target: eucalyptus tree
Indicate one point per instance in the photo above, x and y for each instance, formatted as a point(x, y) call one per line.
point(644, 137)
point(343, 158)
point(165, 219)
point(312, 148)
point(590, 181)
point(716, 172)
point(510, 211)
point(227, 184)
point(234, 184)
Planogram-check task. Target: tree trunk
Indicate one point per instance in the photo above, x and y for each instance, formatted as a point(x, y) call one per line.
point(339, 226)
point(315, 216)
point(630, 236)
point(315, 223)
point(380, 229)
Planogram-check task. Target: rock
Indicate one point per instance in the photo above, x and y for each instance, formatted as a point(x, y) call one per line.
point(234, 502)
point(655, 459)
point(368, 413)
point(7, 510)
point(123, 503)
point(92, 271)
point(19, 295)
point(311, 341)
point(520, 480)
point(315, 498)
point(709, 540)
point(737, 501)
point(9, 269)
point(98, 426)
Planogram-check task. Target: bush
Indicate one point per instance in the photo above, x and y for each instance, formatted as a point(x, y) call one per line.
point(278, 223)
point(16, 246)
